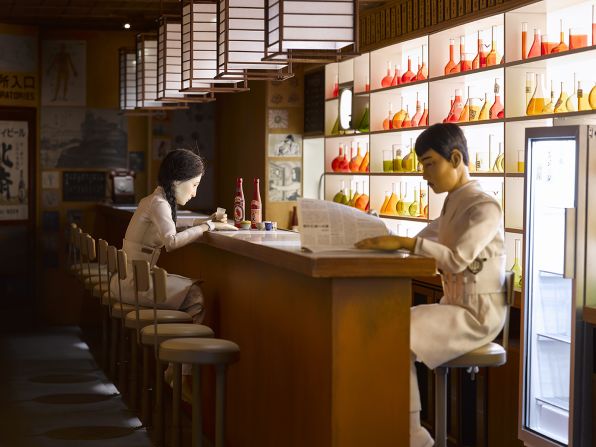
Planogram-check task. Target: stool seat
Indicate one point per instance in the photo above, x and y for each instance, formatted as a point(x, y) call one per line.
point(97, 293)
point(202, 351)
point(126, 309)
point(491, 354)
point(174, 330)
point(163, 316)
point(105, 299)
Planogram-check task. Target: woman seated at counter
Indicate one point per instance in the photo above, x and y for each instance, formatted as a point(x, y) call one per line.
point(153, 226)
point(467, 243)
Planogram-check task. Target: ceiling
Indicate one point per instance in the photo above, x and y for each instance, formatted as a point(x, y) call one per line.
point(99, 14)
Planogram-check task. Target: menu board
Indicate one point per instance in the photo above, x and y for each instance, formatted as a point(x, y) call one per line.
point(314, 102)
point(83, 186)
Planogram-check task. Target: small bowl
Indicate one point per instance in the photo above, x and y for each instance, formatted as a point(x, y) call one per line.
point(245, 225)
point(260, 225)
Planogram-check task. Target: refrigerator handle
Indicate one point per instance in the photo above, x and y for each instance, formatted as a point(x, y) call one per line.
point(569, 261)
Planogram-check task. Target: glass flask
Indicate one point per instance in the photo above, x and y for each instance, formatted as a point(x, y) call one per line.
point(418, 114)
point(423, 70)
point(536, 103)
point(493, 57)
point(401, 207)
point(388, 122)
point(592, 98)
point(391, 208)
point(484, 112)
point(362, 202)
point(535, 49)
point(352, 193)
point(409, 75)
point(422, 205)
point(496, 110)
point(547, 45)
point(407, 122)
point(516, 267)
point(524, 37)
point(561, 104)
point(583, 103)
point(414, 207)
point(340, 196)
point(562, 45)
point(396, 76)
point(480, 59)
point(456, 108)
point(571, 103)
point(335, 164)
point(385, 202)
point(388, 161)
point(529, 86)
point(474, 109)
point(335, 86)
point(398, 118)
point(386, 81)
point(356, 161)
point(550, 106)
point(457, 67)
point(410, 161)
point(451, 62)
point(464, 117)
point(521, 163)
point(364, 125)
point(424, 119)
point(397, 158)
point(364, 166)
point(499, 165)
point(577, 38)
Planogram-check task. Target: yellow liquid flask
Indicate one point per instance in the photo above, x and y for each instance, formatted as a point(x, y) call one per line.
point(560, 105)
point(536, 103)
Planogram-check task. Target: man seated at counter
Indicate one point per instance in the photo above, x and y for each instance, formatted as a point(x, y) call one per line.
point(153, 226)
point(467, 243)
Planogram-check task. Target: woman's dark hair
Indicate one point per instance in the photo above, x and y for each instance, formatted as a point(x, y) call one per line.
point(443, 138)
point(179, 165)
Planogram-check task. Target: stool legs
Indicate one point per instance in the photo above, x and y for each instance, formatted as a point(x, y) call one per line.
point(197, 411)
point(146, 388)
point(134, 369)
point(176, 394)
point(113, 348)
point(220, 405)
point(158, 408)
point(122, 362)
point(441, 407)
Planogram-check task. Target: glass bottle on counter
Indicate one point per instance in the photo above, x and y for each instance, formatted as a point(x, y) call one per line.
point(561, 104)
point(516, 267)
point(536, 104)
point(493, 57)
point(562, 45)
point(451, 64)
point(386, 81)
point(238, 203)
point(583, 102)
point(496, 110)
point(480, 59)
point(550, 106)
point(256, 208)
point(571, 103)
point(340, 196)
point(524, 37)
point(409, 75)
point(535, 49)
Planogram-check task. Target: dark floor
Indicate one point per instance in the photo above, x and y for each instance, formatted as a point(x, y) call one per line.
point(53, 394)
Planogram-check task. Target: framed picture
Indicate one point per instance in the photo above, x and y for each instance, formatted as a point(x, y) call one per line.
point(284, 180)
point(285, 145)
point(17, 179)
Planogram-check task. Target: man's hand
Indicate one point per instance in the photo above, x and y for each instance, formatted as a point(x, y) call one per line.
point(387, 243)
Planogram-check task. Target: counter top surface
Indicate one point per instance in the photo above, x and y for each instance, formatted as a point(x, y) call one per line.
point(282, 248)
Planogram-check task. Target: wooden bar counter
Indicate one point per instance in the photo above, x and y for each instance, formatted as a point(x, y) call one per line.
point(324, 338)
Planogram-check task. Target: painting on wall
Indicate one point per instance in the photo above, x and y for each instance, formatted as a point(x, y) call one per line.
point(74, 137)
point(18, 53)
point(14, 167)
point(64, 69)
point(284, 180)
point(285, 145)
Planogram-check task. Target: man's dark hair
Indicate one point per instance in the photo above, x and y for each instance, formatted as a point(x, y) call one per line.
point(443, 138)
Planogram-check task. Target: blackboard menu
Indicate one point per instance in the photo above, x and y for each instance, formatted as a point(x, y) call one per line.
point(83, 186)
point(314, 102)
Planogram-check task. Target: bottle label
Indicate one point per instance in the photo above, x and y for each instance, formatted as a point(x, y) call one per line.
point(255, 213)
point(238, 210)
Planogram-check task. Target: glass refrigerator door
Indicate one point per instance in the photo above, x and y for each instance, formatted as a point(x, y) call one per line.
point(551, 197)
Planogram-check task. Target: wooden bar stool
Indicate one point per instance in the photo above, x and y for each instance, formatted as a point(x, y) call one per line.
point(198, 352)
point(489, 355)
point(152, 336)
point(141, 317)
point(100, 291)
point(115, 323)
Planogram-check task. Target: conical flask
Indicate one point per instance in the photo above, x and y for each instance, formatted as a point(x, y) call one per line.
point(451, 62)
point(485, 110)
point(562, 45)
point(561, 104)
point(571, 103)
point(493, 57)
point(592, 98)
point(550, 106)
point(386, 81)
point(583, 103)
point(536, 103)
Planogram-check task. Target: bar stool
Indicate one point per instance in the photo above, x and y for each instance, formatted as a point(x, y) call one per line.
point(141, 317)
point(489, 355)
point(198, 352)
point(153, 335)
point(100, 291)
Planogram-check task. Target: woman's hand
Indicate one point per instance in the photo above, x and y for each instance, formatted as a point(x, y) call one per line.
point(215, 217)
point(387, 243)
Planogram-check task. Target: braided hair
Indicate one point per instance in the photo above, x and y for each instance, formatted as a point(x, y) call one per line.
point(179, 165)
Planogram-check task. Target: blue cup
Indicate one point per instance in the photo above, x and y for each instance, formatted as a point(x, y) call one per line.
point(268, 225)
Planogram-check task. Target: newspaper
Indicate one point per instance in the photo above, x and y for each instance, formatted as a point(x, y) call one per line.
point(329, 226)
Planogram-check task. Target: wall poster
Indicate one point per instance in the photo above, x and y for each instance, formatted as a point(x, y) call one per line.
point(14, 170)
point(64, 69)
point(285, 180)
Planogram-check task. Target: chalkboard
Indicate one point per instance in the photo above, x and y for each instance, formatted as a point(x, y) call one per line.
point(83, 186)
point(314, 102)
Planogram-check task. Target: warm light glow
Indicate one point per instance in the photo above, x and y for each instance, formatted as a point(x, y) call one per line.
point(128, 73)
point(127, 26)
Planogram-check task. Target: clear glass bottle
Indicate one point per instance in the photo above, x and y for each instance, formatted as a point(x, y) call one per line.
point(496, 110)
point(550, 106)
point(561, 104)
point(424, 118)
point(464, 117)
point(516, 267)
point(571, 103)
point(535, 49)
point(536, 103)
point(386, 81)
point(451, 62)
point(458, 66)
point(400, 206)
point(562, 46)
point(524, 37)
point(493, 57)
point(414, 208)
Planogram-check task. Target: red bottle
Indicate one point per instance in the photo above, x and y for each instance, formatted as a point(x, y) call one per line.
point(256, 210)
point(238, 203)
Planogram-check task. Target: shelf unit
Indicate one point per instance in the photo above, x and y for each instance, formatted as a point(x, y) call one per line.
point(507, 132)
